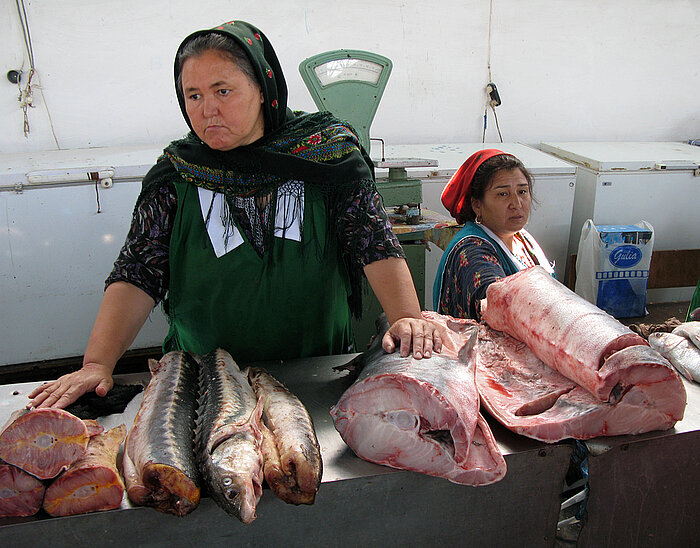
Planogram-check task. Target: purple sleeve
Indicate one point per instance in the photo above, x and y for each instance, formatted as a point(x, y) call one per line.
point(365, 230)
point(143, 260)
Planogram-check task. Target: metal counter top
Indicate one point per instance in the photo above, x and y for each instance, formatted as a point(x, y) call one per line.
point(358, 502)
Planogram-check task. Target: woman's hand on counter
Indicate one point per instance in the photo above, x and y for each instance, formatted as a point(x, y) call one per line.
point(68, 388)
point(413, 333)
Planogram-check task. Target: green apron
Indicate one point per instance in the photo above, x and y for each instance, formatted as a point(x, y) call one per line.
point(292, 302)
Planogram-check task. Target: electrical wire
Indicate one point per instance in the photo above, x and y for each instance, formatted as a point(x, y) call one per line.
point(489, 101)
point(488, 59)
point(26, 95)
point(495, 116)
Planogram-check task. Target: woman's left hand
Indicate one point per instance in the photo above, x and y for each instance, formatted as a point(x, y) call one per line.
point(413, 333)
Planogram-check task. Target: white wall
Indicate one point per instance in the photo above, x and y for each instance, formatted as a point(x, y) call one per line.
point(567, 70)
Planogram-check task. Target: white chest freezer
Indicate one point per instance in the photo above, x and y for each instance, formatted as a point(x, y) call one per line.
point(61, 232)
point(620, 183)
point(553, 189)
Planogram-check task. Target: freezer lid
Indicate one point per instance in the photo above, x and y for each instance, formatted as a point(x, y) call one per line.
point(627, 156)
point(452, 155)
point(128, 162)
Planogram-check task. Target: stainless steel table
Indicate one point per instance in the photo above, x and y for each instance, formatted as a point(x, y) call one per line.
point(359, 503)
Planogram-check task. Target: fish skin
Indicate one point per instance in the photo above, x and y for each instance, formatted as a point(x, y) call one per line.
point(20, 492)
point(228, 438)
point(689, 330)
point(680, 351)
point(92, 483)
point(159, 463)
point(292, 456)
point(43, 441)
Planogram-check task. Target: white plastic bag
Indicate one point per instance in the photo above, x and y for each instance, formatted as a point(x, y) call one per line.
point(612, 267)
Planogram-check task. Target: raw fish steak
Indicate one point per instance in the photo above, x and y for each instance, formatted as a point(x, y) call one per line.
point(567, 332)
point(420, 415)
point(532, 399)
point(43, 441)
point(92, 483)
point(20, 493)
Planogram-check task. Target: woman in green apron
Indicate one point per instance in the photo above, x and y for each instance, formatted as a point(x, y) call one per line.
point(254, 230)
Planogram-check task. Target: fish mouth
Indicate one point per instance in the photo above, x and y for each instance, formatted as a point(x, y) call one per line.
point(240, 497)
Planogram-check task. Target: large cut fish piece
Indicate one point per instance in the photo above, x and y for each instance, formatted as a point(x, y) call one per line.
point(567, 333)
point(43, 441)
point(292, 456)
point(92, 483)
point(421, 415)
point(159, 463)
point(228, 436)
point(20, 493)
point(680, 351)
point(534, 400)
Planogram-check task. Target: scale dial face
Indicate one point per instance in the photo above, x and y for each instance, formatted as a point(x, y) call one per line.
point(342, 70)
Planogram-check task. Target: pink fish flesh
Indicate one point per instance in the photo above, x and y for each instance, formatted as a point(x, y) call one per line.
point(43, 441)
point(567, 332)
point(420, 415)
point(532, 399)
point(20, 493)
point(92, 483)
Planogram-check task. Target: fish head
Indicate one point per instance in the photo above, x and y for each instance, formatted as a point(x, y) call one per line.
point(236, 478)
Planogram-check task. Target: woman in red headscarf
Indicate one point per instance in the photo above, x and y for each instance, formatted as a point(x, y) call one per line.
point(491, 193)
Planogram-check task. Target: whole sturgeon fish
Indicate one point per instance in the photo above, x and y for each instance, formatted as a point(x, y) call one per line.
point(159, 463)
point(92, 483)
point(43, 441)
point(228, 436)
point(568, 333)
point(421, 415)
point(292, 456)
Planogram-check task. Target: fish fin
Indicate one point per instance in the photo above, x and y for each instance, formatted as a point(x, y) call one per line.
point(153, 365)
point(466, 353)
point(250, 424)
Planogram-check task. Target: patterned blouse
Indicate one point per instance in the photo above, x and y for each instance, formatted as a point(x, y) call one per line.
point(471, 267)
point(144, 258)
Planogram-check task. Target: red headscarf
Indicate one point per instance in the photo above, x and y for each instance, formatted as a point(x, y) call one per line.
point(458, 190)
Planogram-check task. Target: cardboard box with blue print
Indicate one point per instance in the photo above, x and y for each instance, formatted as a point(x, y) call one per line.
point(612, 267)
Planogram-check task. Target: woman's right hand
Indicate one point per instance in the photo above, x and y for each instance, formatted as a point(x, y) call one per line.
point(68, 388)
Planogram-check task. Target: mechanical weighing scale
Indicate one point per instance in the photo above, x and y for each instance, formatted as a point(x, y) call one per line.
point(350, 84)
